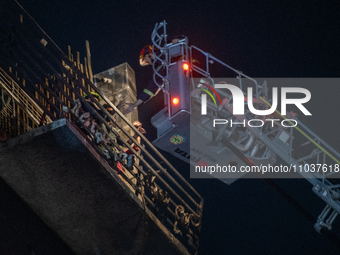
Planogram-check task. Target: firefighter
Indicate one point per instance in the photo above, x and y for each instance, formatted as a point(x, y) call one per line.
point(146, 58)
point(93, 104)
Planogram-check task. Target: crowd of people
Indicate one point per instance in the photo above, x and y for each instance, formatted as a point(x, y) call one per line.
point(98, 123)
point(100, 127)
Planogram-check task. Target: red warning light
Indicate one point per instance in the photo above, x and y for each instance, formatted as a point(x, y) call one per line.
point(185, 66)
point(175, 100)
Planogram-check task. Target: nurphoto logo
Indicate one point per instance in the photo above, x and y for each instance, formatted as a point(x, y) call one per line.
point(239, 103)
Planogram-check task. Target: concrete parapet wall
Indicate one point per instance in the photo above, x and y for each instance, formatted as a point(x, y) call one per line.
point(76, 193)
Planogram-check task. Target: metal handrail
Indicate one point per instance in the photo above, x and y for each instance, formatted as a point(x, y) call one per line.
point(48, 60)
point(31, 107)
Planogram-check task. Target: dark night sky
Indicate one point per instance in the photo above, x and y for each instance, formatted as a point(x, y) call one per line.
point(261, 38)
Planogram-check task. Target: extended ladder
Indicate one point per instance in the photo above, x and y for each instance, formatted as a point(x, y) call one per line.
point(256, 142)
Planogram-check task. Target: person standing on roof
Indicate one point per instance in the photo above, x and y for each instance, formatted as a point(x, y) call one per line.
point(146, 58)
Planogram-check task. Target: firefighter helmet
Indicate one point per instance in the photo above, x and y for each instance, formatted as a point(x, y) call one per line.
point(147, 49)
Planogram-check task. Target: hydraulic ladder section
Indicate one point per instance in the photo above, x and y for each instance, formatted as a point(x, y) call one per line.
point(259, 143)
point(58, 86)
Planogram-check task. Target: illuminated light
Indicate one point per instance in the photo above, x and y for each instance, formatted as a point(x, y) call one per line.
point(175, 100)
point(185, 66)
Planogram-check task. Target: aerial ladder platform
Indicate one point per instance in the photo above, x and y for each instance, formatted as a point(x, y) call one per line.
point(195, 140)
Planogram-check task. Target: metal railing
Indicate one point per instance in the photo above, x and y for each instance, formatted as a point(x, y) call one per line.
point(25, 102)
point(56, 84)
point(21, 114)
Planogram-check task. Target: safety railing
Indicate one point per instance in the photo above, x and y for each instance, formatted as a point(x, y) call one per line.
point(21, 98)
point(20, 113)
point(189, 54)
